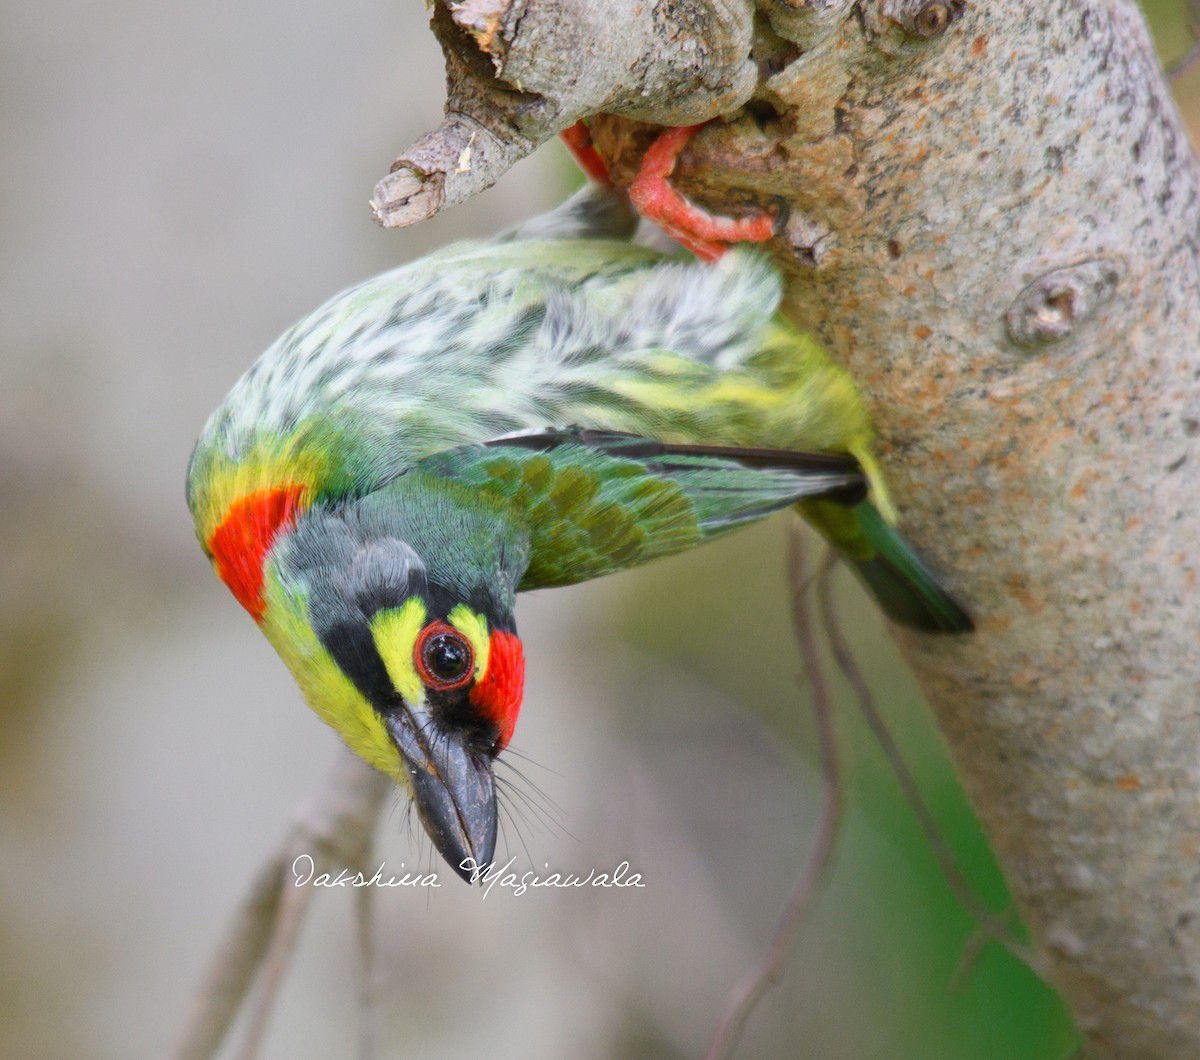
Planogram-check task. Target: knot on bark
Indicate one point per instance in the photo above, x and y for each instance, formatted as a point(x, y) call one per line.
point(1056, 303)
point(897, 27)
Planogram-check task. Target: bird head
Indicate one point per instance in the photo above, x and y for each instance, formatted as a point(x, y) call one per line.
point(397, 622)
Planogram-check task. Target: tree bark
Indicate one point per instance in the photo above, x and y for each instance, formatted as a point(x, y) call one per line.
point(994, 222)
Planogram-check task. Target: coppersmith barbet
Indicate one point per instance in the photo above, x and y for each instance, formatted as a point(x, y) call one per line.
point(530, 411)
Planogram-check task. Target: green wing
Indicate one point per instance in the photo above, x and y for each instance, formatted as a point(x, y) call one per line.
point(595, 502)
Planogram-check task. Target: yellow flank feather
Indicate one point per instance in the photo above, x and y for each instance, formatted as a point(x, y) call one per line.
point(330, 693)
point(395, 631)
point(879, 491)
point(744, 391)
point(474, 627)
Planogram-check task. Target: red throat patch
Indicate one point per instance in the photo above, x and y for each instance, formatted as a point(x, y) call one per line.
point(497, 694)
point(240, 544)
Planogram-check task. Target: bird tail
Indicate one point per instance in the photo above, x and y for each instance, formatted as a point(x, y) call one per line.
point(892, 572)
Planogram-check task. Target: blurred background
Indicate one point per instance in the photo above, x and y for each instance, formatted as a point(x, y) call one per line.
point(182, 183)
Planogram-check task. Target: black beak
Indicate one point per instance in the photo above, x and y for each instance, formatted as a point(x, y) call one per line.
point(453, 789)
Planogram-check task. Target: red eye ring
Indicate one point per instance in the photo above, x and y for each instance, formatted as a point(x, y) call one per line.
point(443, 657)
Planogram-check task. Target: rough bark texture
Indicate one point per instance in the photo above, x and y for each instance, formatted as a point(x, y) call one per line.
point(995, 223)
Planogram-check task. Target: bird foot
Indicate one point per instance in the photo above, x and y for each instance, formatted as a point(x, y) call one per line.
point(706, 235)
point(578, 141)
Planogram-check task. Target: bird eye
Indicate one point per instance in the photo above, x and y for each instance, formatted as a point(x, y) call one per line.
point(444, 657)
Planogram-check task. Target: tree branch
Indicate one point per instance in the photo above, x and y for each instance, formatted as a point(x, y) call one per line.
point(995, 224)
point(807, 889)
point(335, 829)
point(519, 72)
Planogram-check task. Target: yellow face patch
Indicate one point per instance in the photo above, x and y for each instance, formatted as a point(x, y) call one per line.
point(474, 628)
point(331, 694)
point(398, 629)
point(395, 631)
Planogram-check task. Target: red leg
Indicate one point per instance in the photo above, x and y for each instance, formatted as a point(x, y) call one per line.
point(578, 140)
point(705, 235)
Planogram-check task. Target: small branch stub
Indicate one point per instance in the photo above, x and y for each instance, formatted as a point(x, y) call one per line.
point(443, 168)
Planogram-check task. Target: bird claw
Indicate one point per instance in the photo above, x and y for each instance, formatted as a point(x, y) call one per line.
point(706, 235)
